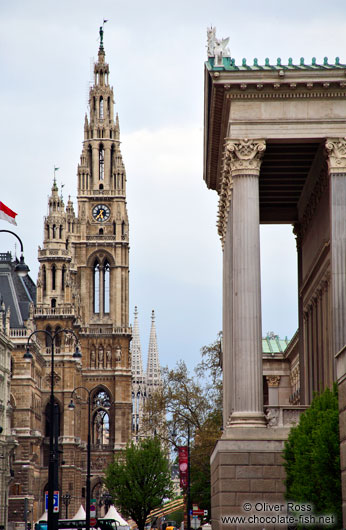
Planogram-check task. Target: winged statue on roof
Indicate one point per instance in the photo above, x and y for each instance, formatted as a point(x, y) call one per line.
point(217, 47)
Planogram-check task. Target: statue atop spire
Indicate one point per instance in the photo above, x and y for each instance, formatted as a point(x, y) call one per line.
point(101, 37)
point(101, 33)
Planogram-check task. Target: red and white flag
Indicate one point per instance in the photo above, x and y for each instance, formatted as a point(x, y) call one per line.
point(7, 214)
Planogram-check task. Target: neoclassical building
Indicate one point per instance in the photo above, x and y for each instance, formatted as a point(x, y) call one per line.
point(83, 286)
point(275, 152)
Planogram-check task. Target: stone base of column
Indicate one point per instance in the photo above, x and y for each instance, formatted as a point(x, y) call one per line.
point(341, 377)
point(246, 419)
point(246, 467)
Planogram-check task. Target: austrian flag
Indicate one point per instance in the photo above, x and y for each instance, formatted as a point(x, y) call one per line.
point(7, 214)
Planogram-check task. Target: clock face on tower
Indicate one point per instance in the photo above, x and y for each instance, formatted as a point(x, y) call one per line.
point(101, 212)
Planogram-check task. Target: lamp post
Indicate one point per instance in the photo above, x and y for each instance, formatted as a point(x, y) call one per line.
point(105, 500)
point(21, 268)
point(88, 477)
point(66, 499)
point(53, 479)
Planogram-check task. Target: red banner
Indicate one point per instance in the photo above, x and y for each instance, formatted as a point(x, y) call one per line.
point(183, 465)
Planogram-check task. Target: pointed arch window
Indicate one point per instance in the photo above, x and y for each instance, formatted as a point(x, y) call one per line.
point(101, 108)
point(90, 160)
point(106, 287)
point(48, 339)
point(57, 339)
point(101, 163)
point(100, 418)
point(109, 107)
point(63, 275)
point(96, 287)
point(44, 279)
point(53, 232)
point(53, 277)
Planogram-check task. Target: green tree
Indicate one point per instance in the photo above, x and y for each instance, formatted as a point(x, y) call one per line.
point(312, 457)
point(139, 479)
point(194, 400)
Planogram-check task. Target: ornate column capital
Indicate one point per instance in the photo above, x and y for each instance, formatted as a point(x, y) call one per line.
point(336, 150)
point(241, 157)
point(273, 380)
point(244, 156)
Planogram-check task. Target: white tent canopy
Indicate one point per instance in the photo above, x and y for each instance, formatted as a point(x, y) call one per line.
point(80, 513)
point(113, 514)
point(44, 517)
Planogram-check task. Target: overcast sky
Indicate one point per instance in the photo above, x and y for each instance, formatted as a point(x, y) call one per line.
point(156, 51)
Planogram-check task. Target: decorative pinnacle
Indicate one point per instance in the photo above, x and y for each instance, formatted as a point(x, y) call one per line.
point(153, 316)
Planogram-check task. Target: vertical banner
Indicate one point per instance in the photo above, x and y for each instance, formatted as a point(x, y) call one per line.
point(183, 465)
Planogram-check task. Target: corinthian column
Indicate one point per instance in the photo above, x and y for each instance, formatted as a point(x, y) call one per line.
point(239, 228)
point(336, 149)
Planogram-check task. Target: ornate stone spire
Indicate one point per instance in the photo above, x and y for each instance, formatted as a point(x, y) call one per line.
point(153, 367)
point(136, 351)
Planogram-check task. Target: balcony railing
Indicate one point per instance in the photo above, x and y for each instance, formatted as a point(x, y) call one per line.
point(54, 311)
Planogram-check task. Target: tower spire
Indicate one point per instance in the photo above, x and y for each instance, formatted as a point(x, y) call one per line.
point(153, 367)
point(136, 350)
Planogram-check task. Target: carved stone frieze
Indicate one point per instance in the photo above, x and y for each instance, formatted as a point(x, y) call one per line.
point(336, 149)
point(241, 158)
point(319, 189)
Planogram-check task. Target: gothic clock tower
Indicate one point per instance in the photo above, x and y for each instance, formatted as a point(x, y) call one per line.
point(84, 285)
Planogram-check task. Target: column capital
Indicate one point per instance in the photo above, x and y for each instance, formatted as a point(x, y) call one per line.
point(273, 380)
point(336, 150)
point(244, 156)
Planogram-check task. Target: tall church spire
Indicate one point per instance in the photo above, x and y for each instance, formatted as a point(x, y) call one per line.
point(153, 367)
point(136, 350)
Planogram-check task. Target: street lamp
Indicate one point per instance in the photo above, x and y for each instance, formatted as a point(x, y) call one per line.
point(53, 479)
point(66, 499)
point(88, 477)
point(106, 500)
point(21, 268)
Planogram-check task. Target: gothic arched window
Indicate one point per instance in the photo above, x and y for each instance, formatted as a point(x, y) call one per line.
point(96, 287)
point(58, 337)
point(90, 160)
point(106, 286)
point(101, 108)
point(48, 339)
point(53, 277)
point(44, 278)
point(101, 163)
point(63, 274)
point(100, 418)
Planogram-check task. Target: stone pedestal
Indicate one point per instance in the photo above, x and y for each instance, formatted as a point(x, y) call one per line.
point(246, 473)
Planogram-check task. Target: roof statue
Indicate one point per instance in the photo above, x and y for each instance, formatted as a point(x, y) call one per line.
point(217, 47)
point(101, 37)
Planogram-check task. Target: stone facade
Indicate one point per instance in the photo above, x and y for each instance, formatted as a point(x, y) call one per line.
point(275, 152)
point(83, 286)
